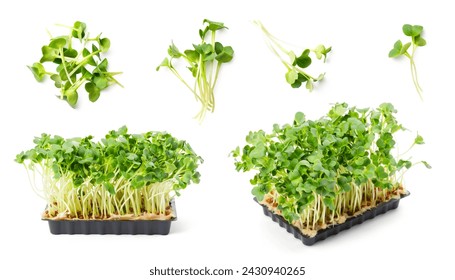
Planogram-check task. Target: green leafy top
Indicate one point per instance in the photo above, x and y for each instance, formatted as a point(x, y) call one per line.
point(137, 160)
point(295, 65)
point(307, 159)
point(400, 49)
point(76, 66)
point(204, 62)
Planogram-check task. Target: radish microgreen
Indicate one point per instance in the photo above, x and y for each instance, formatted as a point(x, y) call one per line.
point(78, 59)
point(123, 174)
point(318, 173)
point(204, 62)
point(295, 65)
point(400, 49)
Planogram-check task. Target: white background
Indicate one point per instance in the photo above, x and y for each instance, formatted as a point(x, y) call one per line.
point(218, 224)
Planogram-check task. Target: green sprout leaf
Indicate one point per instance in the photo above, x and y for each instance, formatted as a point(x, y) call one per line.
point(226, 55)
point(57, 80)
point(71, 53)
point(49, 54)
point(300, 79)
point(105, 44)
point(299, 118)
point(100, 82)
point(258, 152)
point(93, 91)
point(71, 97)
point(303, 61)
point(321, 51)
point(88, 57)
point(259, 193)
point(109, 187)
point(309, 86)
point(405, 48)
point(192, 55)
point(419, 140)
point(419, 41)
point(213, 25)
point(173, 51)
point(412, 30)
point(427, 165)
point(164, 63)
point(396, 51)
point(79, 30)
point(291, 76)
point(38, 71)
point(57, 43)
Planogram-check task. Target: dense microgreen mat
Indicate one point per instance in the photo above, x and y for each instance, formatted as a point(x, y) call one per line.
point(123, 174)
point(319, 172)
point(78, 60)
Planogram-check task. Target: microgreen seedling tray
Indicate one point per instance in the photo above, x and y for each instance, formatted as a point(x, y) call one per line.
point(147, 227)
point(335, 229)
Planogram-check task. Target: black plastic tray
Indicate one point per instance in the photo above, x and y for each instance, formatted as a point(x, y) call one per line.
point(335, 229)
point(148, 227)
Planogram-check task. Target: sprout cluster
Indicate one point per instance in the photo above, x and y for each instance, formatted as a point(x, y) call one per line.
point(204, 62)
point(317, 173)
point(123, 175)
point(78, 60)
